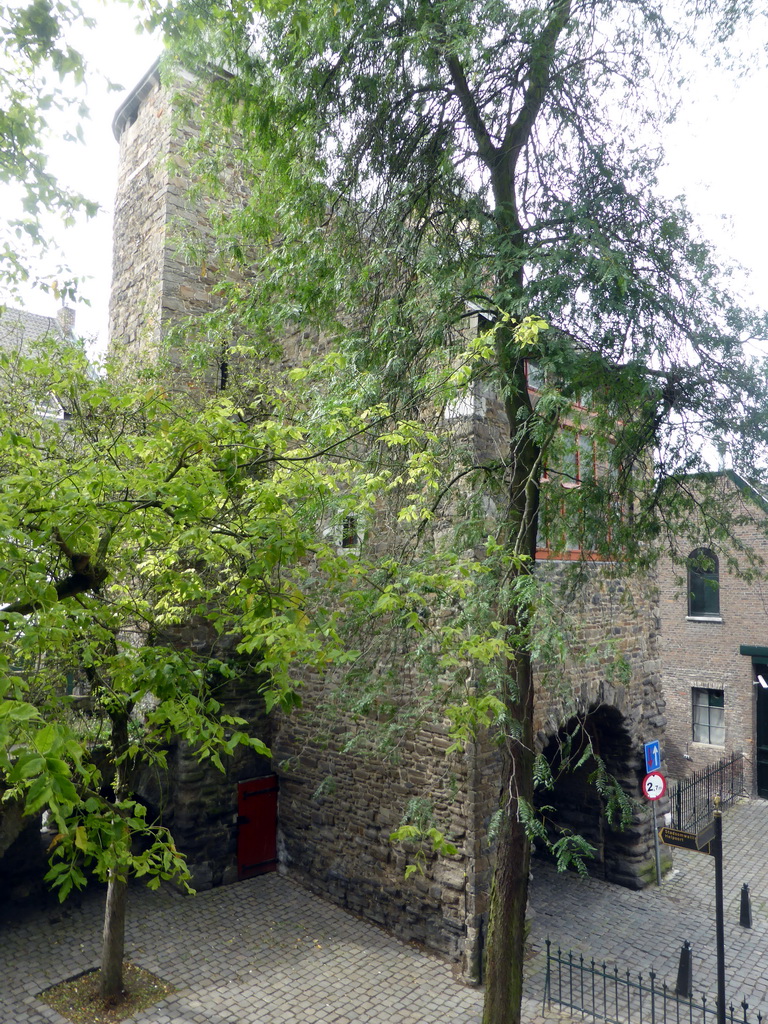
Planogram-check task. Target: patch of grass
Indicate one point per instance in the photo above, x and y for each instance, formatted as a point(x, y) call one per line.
point(78, 999)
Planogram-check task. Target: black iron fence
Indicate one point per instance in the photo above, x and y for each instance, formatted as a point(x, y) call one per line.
point(692, 799)
point(604, 993)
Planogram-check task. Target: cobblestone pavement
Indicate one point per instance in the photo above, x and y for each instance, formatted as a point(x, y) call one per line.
point(646, 930)
point(268, 952)
point(261, 952)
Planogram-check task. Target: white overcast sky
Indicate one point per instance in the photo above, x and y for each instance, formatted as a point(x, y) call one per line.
point(717, 156)
point(115, 51)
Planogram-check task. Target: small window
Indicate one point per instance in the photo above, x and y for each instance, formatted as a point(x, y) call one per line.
point(703, 584)
point(534, 375)
point(573, 459)
point(586, 457)
point(349, 536)
point(563, 463)
point(709, 717)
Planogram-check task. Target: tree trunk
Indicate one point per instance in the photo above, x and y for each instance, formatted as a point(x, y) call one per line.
point(505, 948)
point(113, 938)
point(113, 935)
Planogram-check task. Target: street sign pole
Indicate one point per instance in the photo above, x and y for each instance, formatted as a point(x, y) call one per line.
point(708, 840)
point(656, 845)
point(654, 786)
point(717, 850)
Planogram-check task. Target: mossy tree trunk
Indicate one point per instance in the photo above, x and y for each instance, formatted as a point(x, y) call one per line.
point(509, 892)
point(505, 946)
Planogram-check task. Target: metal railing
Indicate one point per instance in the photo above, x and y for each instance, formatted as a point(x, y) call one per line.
point(692, 799)
point(604, 993)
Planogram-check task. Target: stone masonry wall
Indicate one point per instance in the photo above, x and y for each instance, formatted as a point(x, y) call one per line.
point(615, 665)
point(614, 686)
point(153, 282)
point(614, 626)
point(140, 222)
point(197, 802)
point(336, 811)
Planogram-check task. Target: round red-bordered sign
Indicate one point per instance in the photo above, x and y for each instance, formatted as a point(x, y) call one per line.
point(654, 786)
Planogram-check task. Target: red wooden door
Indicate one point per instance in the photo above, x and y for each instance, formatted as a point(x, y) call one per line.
point(257, 826)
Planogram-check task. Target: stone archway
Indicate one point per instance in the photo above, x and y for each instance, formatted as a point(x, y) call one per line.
point(622, 856)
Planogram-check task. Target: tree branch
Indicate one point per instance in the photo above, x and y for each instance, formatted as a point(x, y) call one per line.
point(542, 57)
point(86, 576)
point(485, 147)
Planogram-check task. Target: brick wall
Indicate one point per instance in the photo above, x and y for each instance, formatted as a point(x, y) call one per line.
point(705, 654)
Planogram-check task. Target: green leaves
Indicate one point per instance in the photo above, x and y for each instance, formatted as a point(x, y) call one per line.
point(422, 842)
point(114, 840)
point(155, 508)
point(33, 49)
point(473, 715)
point(14, 711)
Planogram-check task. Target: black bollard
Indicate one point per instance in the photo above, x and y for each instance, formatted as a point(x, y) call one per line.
point(684, 985)
point(745, 915)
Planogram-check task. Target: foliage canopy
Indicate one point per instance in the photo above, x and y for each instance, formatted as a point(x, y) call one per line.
point(415, 162)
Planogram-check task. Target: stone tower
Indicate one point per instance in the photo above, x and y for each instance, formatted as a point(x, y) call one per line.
point(150, 283)
point(337, 810)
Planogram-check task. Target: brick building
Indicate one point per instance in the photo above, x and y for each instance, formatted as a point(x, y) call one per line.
point(336, 810)
point(714, 648)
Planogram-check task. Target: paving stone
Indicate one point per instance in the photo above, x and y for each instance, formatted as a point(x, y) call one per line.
point(261, 952)
point(646, 930)
point(268, 952)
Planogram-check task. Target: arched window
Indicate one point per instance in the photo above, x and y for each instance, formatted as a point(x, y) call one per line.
point(703, 583)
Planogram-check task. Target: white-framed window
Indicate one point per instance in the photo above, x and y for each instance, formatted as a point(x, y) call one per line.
point(346, 532)
point(349, 532)
point(708, 716)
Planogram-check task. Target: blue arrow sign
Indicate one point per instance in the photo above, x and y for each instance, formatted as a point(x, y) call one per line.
point(652, 756)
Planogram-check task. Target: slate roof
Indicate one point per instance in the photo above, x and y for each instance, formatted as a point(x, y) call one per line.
point(19, 330)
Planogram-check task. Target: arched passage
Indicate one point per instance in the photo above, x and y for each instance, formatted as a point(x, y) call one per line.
point(621, 856)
